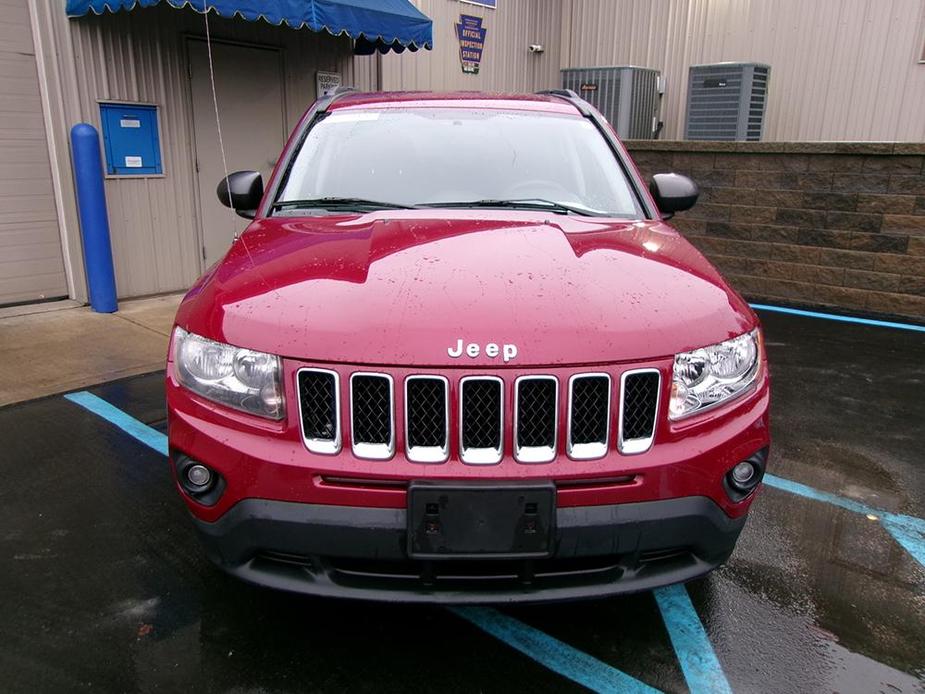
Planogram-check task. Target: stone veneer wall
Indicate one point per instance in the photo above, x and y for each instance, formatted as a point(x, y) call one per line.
point(827, 224)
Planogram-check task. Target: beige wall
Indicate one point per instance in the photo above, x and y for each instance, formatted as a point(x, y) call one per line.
point(507, 64)
point(140, 56)
point(840, 69)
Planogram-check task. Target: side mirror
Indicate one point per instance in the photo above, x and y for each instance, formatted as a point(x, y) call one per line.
point(673, 193)
point(242, 191)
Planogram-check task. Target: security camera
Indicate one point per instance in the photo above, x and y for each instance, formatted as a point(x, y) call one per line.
point(536, 48)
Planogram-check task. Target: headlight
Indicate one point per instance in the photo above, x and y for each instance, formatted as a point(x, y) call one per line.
point(240, 378)
point(712, 375)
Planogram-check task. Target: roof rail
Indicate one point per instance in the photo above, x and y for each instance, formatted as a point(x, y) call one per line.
point(568, 93)
point(324, 103)
point(570, 96)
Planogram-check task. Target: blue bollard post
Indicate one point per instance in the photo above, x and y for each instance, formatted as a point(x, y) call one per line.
point(94, 220)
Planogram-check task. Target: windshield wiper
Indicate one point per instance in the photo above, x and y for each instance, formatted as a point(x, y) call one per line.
point(335, 203)
point(521, 203)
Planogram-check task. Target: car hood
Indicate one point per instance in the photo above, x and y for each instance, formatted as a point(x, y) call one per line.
point(404, 287)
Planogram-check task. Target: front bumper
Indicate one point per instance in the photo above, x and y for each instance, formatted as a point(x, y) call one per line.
point(353, 552)
point(268, 460)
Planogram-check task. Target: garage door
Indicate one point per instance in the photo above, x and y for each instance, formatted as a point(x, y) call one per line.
point(31, 266)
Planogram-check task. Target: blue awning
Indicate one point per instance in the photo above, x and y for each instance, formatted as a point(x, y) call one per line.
point(375, 24)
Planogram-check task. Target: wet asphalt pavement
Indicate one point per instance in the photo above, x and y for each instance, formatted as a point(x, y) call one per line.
point(103, 586)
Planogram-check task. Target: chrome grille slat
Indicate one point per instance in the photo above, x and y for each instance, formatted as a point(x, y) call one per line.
point(536, 412)
point(372, 422)
point(427, 418)
point(639, 401)
point(481, 419)
point(589, 416)
point(319, 410)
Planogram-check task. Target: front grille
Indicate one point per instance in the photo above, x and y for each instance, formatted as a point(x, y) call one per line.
point(479, 413)
point(638, 410)
point(319, 400)
point(481, 419)
point(535, 419)
point(426, 418)
point(589, 416)
point(371, 423)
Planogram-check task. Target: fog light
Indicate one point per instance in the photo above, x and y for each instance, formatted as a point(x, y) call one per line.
point(744, 476)
point(198, 481)
point(743, 473)
point(198, 475)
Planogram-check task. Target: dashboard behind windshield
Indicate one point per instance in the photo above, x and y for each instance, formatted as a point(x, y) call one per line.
point(428, 156)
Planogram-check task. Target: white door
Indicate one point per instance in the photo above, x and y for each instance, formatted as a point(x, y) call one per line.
point(249, 89)
point(31, 264)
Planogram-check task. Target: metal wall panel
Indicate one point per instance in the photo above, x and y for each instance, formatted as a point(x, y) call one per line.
point(842, 69)
point(507, 63)
point(31, 265)
point(140, 56)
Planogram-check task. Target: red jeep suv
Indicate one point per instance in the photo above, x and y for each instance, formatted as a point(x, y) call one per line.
point(458, 356)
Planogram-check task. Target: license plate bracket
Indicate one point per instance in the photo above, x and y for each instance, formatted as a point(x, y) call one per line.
point(478, 521)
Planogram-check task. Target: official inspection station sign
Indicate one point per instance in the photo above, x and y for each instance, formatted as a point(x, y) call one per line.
point(471, 36)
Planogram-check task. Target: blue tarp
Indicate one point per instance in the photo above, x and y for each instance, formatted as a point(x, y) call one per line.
point(375, 24)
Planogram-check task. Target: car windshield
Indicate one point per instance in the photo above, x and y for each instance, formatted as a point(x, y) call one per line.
point(457, 158)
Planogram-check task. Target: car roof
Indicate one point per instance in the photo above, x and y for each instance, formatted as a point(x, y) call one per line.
point(545, 103)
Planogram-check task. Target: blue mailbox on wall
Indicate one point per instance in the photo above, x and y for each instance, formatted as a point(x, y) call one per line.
point(131, 140)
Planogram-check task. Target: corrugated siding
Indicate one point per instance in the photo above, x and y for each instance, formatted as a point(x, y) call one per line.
point(507, 64)
point(840, 69)
point(31, 266)
point(141, 56)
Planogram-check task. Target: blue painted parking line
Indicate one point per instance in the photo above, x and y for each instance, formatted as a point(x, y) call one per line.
point(552, 653)
point(836, 317)
point(908, 531)
point(139, 430)
point(699, 663)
